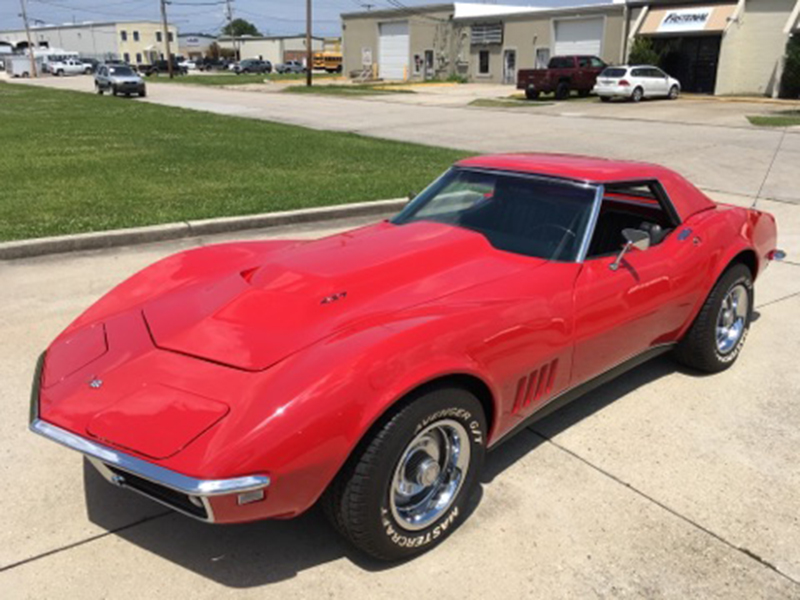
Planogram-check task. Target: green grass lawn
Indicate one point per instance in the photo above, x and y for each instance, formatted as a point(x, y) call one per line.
point(785, 118)
point(347, 90)
point(75, 162)
point(219, 79)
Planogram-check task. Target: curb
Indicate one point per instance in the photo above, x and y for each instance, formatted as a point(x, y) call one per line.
point(171, 231)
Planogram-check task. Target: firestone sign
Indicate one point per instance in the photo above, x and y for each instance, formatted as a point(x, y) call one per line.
point(685, 19)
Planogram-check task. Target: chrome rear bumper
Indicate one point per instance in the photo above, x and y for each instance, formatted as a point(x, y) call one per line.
point(168, 487)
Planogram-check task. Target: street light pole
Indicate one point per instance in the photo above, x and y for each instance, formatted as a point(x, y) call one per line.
point(166, 36)
point(31, 48)
point(309, 53)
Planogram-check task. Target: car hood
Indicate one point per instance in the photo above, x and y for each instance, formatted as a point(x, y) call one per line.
point(125, 79)
point(309, 291)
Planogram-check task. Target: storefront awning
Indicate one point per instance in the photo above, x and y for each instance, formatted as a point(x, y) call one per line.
point(694, 19)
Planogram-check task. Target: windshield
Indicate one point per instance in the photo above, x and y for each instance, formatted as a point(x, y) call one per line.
point(614, 72)
point(120, 71)
point(532, 216)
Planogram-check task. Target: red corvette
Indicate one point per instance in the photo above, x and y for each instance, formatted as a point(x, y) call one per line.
point(372, 369)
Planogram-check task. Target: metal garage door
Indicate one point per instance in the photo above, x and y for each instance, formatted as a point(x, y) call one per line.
point(579, 36)
point(393, 50)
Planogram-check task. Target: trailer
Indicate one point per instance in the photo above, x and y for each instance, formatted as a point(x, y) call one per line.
point(19, 65)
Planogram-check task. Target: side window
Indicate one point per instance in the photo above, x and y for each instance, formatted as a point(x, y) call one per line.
point(658, 73)
point(597, 63)
point(631, 205)
point(638, 72)
point(583, 62)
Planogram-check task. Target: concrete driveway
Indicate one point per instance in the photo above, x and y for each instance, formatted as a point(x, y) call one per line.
point(708, 141)
point(662, 484)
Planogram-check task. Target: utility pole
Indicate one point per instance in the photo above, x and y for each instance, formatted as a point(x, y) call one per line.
point(229, 17)
point(166, 37)
point(31, 48)
point(309, 53)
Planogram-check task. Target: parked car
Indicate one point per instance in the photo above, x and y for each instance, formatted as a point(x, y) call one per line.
point(372, 370)
point(91, 64)
point(636, 83)
point(253, 65)
point(562, 75)
point(162, 67)
point(119, 79)
point(213, 64)
point(188, 65)
point(71, 66)
point(291, 66)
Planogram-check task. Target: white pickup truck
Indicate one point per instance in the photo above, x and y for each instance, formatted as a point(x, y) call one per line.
point(70, 66)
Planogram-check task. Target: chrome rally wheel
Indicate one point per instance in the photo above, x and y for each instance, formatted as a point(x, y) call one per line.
point(430, 474)
point(732, 318)
point(408, 485)
point(718, 333)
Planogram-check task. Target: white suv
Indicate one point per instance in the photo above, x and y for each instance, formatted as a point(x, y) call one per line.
point(635, 83)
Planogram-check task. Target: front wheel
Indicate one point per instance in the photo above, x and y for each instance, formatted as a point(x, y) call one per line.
point(716, 337)
point(408, 485)
point(99, 90)
point(532, 94)
point(674, 92)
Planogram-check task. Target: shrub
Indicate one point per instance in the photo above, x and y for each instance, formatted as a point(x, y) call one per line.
point(643, 53)
point(790, 81)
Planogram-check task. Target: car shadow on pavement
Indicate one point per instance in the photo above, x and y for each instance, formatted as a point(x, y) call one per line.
point(261, 553)
point(530, 438)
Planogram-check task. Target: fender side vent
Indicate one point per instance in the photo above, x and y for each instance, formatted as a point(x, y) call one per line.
point(535, 386)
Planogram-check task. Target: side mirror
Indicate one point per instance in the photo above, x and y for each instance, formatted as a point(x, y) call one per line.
point(634, 238)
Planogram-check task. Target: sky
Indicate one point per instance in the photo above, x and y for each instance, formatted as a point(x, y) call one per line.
point(272, 17)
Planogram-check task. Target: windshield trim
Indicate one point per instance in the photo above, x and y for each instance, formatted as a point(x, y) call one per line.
point(583, 249)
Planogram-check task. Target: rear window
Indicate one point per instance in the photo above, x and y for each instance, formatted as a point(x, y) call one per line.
point(561, 62)
point(613, 72)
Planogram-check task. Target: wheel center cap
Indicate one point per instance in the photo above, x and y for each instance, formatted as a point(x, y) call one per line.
point(428, 472)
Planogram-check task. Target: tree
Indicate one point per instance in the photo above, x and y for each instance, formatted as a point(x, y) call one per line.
point(240, 27)
point(790, 82)
point(643, 53)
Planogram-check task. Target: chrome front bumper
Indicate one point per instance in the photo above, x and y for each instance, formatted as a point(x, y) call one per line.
point(173, 489)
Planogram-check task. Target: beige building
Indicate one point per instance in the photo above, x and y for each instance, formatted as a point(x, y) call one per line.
point(276, 49)
point(137, 42)
point(716, 46)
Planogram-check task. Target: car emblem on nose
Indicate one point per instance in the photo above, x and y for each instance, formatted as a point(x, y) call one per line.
point(95, 383)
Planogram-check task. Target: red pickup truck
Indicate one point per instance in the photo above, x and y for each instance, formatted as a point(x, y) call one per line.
point(562, 75)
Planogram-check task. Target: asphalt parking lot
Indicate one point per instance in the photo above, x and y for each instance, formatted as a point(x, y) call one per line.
point(662, 484)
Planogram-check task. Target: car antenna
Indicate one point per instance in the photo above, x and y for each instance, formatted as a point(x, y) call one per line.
point(769, 169)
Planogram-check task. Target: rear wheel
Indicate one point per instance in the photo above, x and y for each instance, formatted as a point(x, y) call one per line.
point(605, 99)
point(407, 486)
point(637, 94)
point(562, 91)
point(716, 337)
point(532, 94)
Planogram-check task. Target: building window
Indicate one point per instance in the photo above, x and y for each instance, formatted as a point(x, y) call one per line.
point(171, 39)
point(138, 58)
point(483, 62)
point(158, 36)
point(123, 35)
point(126, 57)
point(135, 36)
point(487, 33)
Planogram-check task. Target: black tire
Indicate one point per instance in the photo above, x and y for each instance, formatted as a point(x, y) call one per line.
point(637, 95)
point(674, 92)
point(562, 91)
point(699, 348)
point(584, 93)
point(359, 501)
point(532, 94)
point(143, 94)
point(605, 98)
point(60, 73)
point(99, 90)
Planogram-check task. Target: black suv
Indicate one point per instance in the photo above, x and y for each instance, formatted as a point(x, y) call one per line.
point(161, 66)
